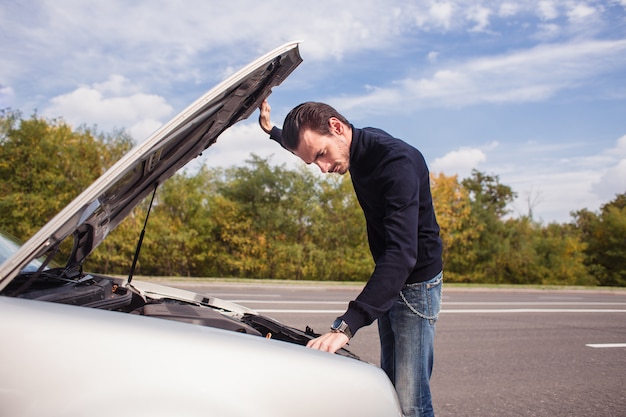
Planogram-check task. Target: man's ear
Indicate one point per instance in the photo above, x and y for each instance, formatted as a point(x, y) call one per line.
point(335, 126)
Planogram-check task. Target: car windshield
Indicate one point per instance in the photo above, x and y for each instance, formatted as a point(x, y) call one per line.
point(9, 245)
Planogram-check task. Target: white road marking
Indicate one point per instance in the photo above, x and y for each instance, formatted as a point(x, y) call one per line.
point(472, 311)
point(299, 311)
point(607, 345)
point(244, 302)
point(532, 303)
point(535, 310)
point(488, 307)
point(447, 303)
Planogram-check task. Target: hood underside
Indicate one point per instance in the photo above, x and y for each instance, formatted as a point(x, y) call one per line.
point(104, 204)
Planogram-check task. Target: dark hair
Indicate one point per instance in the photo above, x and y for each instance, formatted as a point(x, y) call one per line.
point(310, 115)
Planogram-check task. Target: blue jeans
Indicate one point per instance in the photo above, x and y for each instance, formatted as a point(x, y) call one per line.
point(407, 336)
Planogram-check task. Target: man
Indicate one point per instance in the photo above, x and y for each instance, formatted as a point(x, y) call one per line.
point(392, 184)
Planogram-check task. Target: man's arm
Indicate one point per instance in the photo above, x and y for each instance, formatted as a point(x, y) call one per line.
point(276, 134)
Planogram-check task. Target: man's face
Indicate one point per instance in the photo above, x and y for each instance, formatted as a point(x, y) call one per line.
point(331, 153)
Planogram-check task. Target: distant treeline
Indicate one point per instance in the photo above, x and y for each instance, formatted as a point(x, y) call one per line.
point(266, 221)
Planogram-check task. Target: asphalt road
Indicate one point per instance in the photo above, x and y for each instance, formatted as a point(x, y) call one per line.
point(498, 352)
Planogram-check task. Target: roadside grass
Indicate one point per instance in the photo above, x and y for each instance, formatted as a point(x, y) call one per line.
point(459, 286)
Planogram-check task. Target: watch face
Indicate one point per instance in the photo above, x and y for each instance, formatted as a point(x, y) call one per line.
point(342, 327)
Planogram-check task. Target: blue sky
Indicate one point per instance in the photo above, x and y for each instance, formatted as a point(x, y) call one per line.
point(533, 92)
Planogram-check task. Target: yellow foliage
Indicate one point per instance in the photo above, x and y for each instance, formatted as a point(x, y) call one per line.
point(454, 215)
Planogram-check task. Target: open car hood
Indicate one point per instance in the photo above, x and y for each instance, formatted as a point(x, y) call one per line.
point(104, 204)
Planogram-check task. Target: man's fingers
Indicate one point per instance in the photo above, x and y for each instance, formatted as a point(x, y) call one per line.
point(329, 342)
point(264, 116)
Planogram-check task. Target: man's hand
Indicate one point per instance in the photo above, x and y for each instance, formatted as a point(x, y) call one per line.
point(329, 342)
point(264, 117)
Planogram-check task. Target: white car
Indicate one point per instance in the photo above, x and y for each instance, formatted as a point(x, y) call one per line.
point(82, 344)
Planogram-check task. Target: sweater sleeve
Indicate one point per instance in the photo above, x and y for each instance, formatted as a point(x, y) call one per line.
point(276, 134)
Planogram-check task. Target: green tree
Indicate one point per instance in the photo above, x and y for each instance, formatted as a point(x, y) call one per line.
point(274, 200)
point(44, 164)
point(532, 254)
point(606, 247)
point(339, 233)
point(270, 222)
point(115, 254)
point(561, 252)
point(489, 200)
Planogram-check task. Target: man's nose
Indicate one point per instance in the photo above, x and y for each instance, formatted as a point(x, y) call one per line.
point(324, 166)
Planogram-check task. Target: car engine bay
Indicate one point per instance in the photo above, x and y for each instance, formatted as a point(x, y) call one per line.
point(116, 294)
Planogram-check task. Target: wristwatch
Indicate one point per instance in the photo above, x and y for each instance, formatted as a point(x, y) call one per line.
point(340, 326)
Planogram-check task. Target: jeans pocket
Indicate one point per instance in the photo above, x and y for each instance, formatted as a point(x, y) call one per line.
point(424, 298)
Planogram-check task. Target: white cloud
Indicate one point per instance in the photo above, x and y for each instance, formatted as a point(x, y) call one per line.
point(167, 39)
point(236, 144)
point(480, 16)
point(553, 193)
point(6, 96)
point(620, 148)
point(548, 185)
point(613, 179)
point(612, 182)
point(442, 13)
point(432, 57)
point(459, 162)
point(557, 179)
point(529, 75)
point(185, 43)
point(115, 103)
point(579, 13)
point(547, 31)
point(508, 9)
point(547, 10)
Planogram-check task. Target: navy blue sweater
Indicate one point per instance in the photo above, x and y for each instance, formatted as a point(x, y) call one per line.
point(392, 184)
